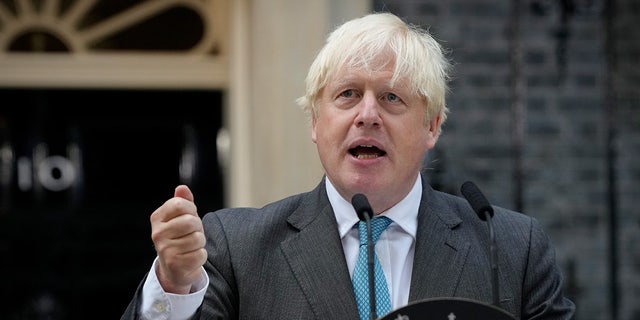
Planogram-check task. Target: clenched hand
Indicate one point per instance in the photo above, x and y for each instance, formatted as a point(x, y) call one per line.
point(177, 233)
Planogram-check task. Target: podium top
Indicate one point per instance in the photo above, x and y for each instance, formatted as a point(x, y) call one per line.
point(448, 309)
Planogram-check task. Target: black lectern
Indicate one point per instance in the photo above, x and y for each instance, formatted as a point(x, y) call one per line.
point(448, 309)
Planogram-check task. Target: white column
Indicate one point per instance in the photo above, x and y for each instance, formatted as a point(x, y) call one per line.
point(273, 44)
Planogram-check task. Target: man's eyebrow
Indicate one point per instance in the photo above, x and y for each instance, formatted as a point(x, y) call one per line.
point(342, 82)
point(339, 85)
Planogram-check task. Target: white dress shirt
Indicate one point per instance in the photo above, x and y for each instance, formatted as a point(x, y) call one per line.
point(395, 250)
point(396, 244)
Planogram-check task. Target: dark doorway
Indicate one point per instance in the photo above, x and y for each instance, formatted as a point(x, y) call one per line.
point(80, 173)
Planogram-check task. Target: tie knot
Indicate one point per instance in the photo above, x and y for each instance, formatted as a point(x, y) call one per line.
point(378, 224)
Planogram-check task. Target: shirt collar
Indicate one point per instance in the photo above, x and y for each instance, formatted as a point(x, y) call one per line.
point(404, 213)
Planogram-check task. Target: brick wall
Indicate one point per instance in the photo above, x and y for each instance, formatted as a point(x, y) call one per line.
point(626, 145)
point(574, 90)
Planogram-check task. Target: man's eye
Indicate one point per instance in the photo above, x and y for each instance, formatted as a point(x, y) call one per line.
point(392, 97)
point(347, 93)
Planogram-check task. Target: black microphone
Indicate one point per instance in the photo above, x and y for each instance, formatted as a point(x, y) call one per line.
point(361, 204)
point(477, 200)
point(484, 210)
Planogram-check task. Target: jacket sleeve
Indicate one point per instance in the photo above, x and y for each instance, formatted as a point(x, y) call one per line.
point(542, 291)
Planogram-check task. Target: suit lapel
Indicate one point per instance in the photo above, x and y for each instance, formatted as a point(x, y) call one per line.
point(439, 254)
point(316, 258)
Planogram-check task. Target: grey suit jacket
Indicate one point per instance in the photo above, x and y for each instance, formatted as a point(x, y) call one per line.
point(285, 261)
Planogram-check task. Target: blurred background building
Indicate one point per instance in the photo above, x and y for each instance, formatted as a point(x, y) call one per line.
point(105, 106)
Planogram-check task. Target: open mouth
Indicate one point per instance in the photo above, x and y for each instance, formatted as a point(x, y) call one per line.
point(366, 152)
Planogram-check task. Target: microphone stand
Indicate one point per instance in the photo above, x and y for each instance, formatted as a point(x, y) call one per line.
point(484, 210)
point(370, 261)
point(493, 259)
point(365, 213)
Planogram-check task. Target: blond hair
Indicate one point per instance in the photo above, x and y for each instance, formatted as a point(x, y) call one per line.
point(362, 42)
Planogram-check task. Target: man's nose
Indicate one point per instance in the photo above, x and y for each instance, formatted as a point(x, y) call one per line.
point(368, 111)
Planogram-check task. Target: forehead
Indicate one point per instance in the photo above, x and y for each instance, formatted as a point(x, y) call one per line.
point(353, 75)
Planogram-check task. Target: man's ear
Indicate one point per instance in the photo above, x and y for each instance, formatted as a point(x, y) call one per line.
point(433, 131)
point(314, 136)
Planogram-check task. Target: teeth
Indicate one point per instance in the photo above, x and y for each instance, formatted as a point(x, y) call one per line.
point(367, 156)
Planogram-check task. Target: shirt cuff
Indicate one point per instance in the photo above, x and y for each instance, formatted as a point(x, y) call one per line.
point(161, 305)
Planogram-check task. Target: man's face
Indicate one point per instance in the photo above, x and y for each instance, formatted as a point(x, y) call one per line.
point(371, 138)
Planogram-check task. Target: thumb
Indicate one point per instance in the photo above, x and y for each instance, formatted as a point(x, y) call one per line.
point(183, 191)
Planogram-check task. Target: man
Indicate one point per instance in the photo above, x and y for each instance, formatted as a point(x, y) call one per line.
point(376, 99)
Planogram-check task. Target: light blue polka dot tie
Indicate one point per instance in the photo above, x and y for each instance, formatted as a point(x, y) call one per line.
point(360, 277)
